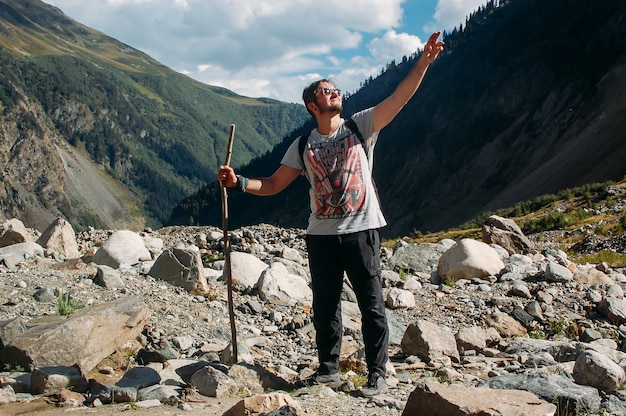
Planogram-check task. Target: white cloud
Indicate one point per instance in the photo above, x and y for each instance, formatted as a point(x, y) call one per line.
point(394, 45)
point(451, 13)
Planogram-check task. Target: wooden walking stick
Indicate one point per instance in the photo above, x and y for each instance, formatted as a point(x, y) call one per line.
point(227, 268)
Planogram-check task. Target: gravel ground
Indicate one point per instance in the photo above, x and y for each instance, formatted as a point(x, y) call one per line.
point(175, 313)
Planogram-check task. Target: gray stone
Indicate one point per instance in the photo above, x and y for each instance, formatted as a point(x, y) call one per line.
point(551, 388)
point(507, 234)
point(59, 239)
point(183, 268)
point(596, 370)
point(123, 247)
point(468, 259)
point(429, 342)
point(99, 331)
point(558, 274)
point(213, 383)
point(13, 232)
point(49, 380)
point(435, 399)
point(417, 257)
point(108, 277)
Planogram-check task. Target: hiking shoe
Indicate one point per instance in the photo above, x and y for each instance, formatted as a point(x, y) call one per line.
point(376, 384)
point(316, 379)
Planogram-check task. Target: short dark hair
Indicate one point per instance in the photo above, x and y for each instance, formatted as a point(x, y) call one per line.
point(308, 95)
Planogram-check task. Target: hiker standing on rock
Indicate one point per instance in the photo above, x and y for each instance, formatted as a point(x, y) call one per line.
point(342, 234)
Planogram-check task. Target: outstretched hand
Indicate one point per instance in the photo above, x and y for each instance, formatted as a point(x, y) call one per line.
point(432, 48)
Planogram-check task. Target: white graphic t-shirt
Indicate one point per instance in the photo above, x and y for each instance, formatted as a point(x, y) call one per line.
point(343, 197)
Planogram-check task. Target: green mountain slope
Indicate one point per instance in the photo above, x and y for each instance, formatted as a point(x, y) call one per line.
point(155, 131)
point(527, 99)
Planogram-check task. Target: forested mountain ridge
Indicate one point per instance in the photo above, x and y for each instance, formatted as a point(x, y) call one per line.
point(98, 132)
point(527, 99)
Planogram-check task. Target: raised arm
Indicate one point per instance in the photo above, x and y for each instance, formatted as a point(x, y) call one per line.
point(271, 185)
point(386, 110)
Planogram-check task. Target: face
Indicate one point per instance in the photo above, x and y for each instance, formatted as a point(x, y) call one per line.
point(328, 98)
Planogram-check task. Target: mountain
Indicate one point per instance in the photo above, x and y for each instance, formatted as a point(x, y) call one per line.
point(98, 132)
point(527, 99)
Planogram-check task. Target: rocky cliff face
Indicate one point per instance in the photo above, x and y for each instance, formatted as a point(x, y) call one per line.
point(44, 178)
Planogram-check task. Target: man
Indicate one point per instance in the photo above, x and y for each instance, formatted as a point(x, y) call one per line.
point(342, 234)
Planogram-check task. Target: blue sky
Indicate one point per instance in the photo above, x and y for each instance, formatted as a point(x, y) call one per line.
point(272, 48)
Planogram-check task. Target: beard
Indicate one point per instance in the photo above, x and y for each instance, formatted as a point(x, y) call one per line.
point(333, 108)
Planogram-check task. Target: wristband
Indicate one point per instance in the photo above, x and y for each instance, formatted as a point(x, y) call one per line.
point(242, 184)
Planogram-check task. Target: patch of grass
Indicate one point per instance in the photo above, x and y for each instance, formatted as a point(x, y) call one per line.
point(13, 368)
point(450, 282)
point(359, 379)
point(561, 327)
point(66, 305)
point(606, 256)
point(403, 275)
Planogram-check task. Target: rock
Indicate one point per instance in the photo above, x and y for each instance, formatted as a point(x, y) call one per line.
point(591, 276)
point(13, 232)
point(429, 342)
point(99, 330)
point(183, 268)
point(417, 258)
point(108, 278)
point(213, 383)
point(476, 338)
point(596, 370)
point(49, 380)
point(558, 274)
point(256, 379)
point(556, 389)
point(468, 259)
point(10, 329)
point(21, 251)
point(59, 239)
point(400, 298)
point(246, 270)
point(262, 404)
point(139, 378)
point(123, 247)
point(7, 395)
point(505, 324)
point(435, 399)
point(277, 286)
point(187, 332)
point(614, 309)
point(507, 234)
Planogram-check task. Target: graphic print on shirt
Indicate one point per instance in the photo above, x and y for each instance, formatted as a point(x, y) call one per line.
point(337, 178)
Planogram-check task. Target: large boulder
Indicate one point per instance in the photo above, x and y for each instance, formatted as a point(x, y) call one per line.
point(435, 399)
point(507, 234)
point(122, 247)
point(59, 239)
point(13, 232)
point(84, 338)
point(430, 342)
point(468, 259)
point(276, 285)
point(183, 268)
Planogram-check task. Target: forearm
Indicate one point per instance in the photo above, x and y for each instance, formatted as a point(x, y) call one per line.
point(261, 187)
point(409, 85)
point(272, 185)
point(391, 106)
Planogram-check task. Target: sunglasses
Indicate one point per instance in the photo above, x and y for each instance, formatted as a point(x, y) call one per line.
point(328, 91)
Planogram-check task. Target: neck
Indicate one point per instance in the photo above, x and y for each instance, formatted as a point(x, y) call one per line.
point(328, 124)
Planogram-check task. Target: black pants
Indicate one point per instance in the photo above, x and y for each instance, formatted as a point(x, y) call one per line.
point(357, 254)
